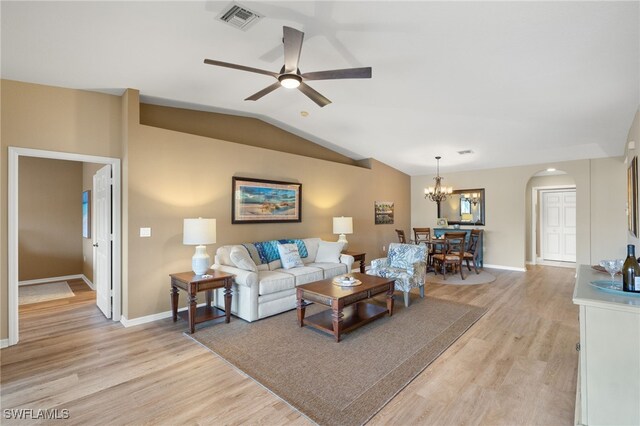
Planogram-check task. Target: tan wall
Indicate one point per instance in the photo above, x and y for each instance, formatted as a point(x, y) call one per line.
point(50, 218)
point(505, 230)
point(244, 130)
point(171, 176)
point(56, 119)
point(88, 170)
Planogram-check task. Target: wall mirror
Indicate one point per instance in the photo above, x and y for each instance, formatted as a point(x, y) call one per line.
point(463, 207)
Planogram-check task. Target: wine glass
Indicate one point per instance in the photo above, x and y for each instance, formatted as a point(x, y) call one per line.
point(612, 266)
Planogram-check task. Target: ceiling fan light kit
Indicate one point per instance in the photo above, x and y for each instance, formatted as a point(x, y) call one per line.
point(290, 81)
point(290, 76)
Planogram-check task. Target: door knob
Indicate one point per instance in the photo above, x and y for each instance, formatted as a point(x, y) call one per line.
point(95, 245)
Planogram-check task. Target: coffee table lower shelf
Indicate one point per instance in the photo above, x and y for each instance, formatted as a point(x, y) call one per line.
point(353, 317)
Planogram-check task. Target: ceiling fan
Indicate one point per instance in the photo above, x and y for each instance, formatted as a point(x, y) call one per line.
point(290, 75)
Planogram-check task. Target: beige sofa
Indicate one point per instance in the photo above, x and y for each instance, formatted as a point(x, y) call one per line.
point(262, 286)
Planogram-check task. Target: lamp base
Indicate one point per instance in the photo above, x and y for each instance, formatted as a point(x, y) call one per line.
point(343, 239)
point(200, 262)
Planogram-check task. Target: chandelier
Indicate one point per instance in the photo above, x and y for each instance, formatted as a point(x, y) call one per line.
point(438, 192)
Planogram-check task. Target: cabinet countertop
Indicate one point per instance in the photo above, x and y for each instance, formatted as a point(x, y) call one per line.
point(586, 294)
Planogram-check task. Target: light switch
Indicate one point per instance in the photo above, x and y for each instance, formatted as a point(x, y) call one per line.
point(145, 232)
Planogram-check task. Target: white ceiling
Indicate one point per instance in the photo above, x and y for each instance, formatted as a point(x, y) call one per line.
point(516, 82)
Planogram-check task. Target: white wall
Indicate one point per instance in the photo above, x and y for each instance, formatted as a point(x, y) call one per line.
point(505, 205)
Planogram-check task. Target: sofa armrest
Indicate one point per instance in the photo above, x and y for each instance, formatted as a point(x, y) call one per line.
point(347, 260)
point(242, 276)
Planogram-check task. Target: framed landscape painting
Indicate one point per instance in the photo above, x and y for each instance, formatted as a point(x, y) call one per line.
point(265, 201)
point(383, 212)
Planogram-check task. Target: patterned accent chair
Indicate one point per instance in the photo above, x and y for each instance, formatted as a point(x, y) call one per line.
point(406, 264)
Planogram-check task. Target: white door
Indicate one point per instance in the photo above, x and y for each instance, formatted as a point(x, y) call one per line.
point(102, 250)
point(558, 225)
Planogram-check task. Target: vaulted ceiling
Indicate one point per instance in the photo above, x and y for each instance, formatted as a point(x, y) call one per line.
point(515, 82)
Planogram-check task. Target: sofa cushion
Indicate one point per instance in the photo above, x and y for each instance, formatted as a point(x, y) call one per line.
point(329, 252)
point(330, 269)
point(241, 259)
point(289, 256)
point(274, 281)
point(306, 274)
point(312, 249)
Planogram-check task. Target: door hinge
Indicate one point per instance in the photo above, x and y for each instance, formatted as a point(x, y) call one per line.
point(578, 346)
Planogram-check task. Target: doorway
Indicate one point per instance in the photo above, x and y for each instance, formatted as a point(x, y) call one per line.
point(13, 217)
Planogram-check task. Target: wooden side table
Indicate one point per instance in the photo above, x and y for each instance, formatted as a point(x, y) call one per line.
point(358, 256)
point(193, 284)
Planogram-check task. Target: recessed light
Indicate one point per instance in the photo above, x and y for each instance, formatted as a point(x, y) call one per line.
point(304, 113)
point(466, 151)
point(551, 169)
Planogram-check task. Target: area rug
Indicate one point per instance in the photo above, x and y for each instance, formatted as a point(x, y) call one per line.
point(43, 292)
point(470, 278)
point(342, 383)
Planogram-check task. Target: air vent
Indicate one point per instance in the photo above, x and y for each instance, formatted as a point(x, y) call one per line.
point(465, 152)
point(239, 16)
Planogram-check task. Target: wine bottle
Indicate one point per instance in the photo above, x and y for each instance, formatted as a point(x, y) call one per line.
point(631, 271)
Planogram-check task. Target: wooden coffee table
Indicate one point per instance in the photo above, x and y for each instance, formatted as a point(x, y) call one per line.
point(348, 307)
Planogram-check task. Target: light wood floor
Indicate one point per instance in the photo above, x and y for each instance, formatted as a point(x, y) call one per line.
point(517, 365)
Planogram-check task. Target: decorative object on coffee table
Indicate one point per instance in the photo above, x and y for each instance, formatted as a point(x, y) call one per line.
point(193, 284)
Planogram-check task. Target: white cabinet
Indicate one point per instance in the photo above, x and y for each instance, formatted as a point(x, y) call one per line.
point(609, 382)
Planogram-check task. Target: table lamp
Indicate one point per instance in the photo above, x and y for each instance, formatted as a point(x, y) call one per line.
point(343, 225)
point(198, 232)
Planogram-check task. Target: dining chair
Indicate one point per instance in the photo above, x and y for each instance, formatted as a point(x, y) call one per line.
point(421, 235)
point(471, 253)
point(402, 239)
point(452, 253)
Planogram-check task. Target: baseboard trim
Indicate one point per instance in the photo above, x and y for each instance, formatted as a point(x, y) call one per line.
point(50, 279)
point(506, 268)
point(4, 343)
point(150, 318)
point(88, 282)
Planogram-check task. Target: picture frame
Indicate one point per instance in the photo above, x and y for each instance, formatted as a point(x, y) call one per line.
point(86, 214)
point(632, 197)
point(265, 201)
point(383, 212)
point(442, 221)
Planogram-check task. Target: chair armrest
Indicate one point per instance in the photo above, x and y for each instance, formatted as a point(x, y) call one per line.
point(379, 263)
point(242, 276)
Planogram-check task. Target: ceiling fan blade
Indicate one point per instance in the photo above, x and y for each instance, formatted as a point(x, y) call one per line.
point(313, 95)
point(337, 74)
point(263, 92)
point(240, 67)
point(292, 47)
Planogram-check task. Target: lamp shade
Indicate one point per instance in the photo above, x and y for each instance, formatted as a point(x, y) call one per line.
point(342, 225)
point(199, 231)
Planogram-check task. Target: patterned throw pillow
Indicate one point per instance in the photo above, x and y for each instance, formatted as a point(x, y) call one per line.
point(289, 256)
